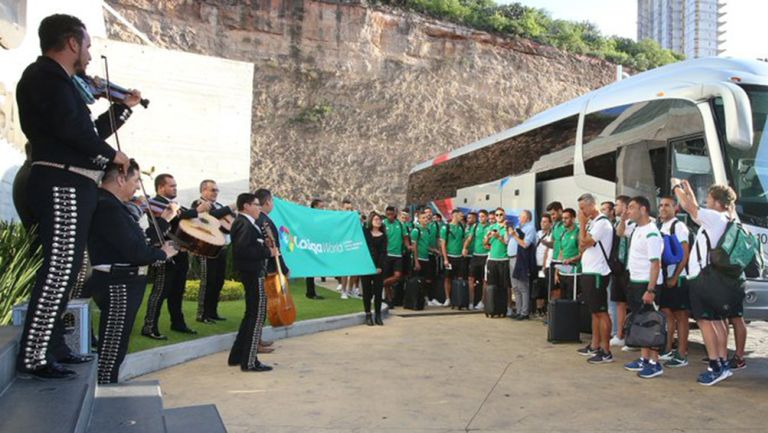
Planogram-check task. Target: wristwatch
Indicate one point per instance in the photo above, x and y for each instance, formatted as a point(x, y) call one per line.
point(653, 291)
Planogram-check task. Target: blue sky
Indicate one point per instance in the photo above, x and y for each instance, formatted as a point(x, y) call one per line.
point(746, 30)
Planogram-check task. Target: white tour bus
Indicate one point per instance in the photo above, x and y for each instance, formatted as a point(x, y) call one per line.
point(701, 120)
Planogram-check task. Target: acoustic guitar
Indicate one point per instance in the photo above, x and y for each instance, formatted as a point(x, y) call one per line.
point(280, 308)
point(201, 235)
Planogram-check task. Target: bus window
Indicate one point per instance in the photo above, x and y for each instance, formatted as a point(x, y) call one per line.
point(628, 144)
point(510, 157)
point(690, 160)
point(748, 168)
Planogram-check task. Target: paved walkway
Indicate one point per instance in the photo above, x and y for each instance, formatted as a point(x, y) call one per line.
point(460, 373)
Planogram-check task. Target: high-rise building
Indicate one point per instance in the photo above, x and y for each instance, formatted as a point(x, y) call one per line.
point(691, 27)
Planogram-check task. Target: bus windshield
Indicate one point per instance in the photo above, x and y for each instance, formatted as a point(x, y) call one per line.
point(748, 169)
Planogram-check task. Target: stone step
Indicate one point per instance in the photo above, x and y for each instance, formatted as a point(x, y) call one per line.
point(9, 346)
point(30, 405)
point(135, 407)
point(194, 419)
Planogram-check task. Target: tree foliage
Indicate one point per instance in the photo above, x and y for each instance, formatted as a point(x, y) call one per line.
point(523, 21)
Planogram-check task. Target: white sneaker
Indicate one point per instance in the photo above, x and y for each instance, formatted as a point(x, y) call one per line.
point(480, 306)
point(430, 302)
point(338, 288)
point(616, 341)
point(630, 349)
point(471, 307)
point(344, 295)
point(447, 303)
point(509, 312)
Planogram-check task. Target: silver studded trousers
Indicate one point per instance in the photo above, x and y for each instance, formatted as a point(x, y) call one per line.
point(63, 204)
point(119, 299)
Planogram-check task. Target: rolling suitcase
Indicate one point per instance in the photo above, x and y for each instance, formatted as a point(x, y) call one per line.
point(459, 294)
point(413, 298)
point(563, 319)
point(496, 302)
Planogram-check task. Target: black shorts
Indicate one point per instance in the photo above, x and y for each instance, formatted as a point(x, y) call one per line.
point(498, 274)
point(477, 267)
point(407, 263)
point(427, 270)
point(635, 292)
point(676, 298)
point(392, 265)
point(619, 287)
point(458, 268)
point(595, 292)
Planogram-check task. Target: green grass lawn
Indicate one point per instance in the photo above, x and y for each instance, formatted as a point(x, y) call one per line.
point(306, 309)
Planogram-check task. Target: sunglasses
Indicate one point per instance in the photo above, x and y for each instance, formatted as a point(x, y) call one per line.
point(500, 214)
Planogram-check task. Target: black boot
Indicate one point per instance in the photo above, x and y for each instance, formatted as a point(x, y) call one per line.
point(368, 319)
point(378, 320)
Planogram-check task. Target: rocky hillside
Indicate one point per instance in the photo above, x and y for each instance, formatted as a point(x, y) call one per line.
point(348, 97)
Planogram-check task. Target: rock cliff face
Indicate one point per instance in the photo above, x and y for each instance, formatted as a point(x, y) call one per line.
point(348, 97)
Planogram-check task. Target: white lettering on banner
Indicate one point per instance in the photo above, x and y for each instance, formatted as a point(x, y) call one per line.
point(326, 247)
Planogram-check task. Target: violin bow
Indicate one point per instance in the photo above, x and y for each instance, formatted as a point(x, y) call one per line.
point(113, 127)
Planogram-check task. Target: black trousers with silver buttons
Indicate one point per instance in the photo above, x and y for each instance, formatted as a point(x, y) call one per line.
point(63, 204)
point(119, 298)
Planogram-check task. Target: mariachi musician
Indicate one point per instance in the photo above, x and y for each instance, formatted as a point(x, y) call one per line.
point(68, 158)
point(120, 254)
point(212, 270)
point(250, 252)
point(170, 276)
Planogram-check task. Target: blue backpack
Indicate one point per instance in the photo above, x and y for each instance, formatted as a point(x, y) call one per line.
point(673, 249)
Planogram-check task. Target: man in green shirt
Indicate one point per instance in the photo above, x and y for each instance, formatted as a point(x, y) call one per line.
point(397, 239)
point(422, 266)
point(451, 248)
point(569, 254)
point(473, 245)
point(495, 241)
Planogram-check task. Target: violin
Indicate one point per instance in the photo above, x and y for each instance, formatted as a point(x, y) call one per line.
point(280, 308)
point(97, 88)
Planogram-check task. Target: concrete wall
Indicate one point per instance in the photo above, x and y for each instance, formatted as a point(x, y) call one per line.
point(198, 124)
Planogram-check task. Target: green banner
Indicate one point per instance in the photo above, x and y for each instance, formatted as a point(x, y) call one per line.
point(321, 243)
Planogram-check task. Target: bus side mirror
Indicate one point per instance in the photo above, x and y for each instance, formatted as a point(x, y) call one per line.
point(738, 117)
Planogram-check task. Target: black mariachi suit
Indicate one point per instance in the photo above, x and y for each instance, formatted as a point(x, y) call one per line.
point(271, 263)
point(57, 123)
point(116, 238)
point(170, 278)
point(212, 271)
point(250, 255)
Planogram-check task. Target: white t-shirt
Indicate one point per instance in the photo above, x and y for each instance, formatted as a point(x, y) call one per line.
point(592, 259)
point(541, 249)
point(645, 247)
point(714, 223)
point(681, 233)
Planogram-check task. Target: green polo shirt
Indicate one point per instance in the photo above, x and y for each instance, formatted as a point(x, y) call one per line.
point(557, 230)
point(420, 238)
point(477, 233)
point(498, 248)
point(433, 232)
point(395, 233)
point(453, 235)
point(569, 245)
